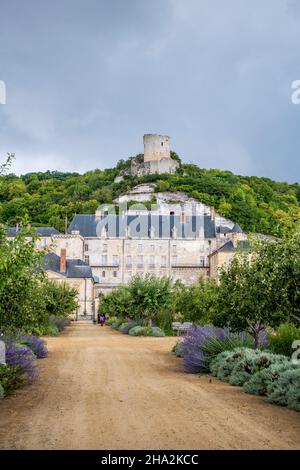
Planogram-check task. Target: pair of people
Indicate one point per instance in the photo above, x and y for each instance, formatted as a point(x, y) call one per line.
point(101, 318)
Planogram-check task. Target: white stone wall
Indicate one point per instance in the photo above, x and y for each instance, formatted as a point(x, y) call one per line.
point(73, 244)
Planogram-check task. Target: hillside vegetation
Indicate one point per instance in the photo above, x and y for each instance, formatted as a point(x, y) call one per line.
point(52, 198)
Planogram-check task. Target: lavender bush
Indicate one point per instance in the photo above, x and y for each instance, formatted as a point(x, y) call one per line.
point(202, 344)
point(37, 345)
point(21, 357)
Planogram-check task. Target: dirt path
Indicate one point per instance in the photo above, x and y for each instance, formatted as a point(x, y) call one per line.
point(99, 389)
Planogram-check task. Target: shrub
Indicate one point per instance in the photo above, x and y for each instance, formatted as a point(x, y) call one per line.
point(262, 380)
point(59, 323)
point(21, 357)
point(282, 338)
point(202, 344)
point(37, 345)
point(137, 330)
point(126, 327)
point(252, 362)
point(111, 320)
point(178, 349)
point(11, 378)
point(238, 366)
point(156, 331)
point(1, 392)
point(286, 390)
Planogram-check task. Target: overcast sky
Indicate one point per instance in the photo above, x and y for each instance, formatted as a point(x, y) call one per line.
point(87, 78)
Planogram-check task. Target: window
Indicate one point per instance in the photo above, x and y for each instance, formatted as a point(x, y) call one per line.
point(115, 260)
point(86, 247)
point(174, 248)
point(163, 261)
point(140, 248)
point(152, 248)
point(87, 259)
point(162, 144)
point(104, 260)
point(174, 259)
point(115, 273)
point(202, 260)
point(103, 273)
point(128, 260)
point(172, 213)
point(140, 261)
point(104, 247)
point(43, 243)
point(152, 260)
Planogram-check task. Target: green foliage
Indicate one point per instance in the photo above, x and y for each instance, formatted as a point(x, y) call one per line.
point(261, 290)
point(178, 349)
point(214, 345)
point(261, 381)
point(126, 327)
point(137, 330)
point(237, 366)
point(140, 300)
point(1, 392)
point(146, 331)
point(111, 320)
point(61, 299)
point(286, 390)
point(22, 304)
point(11, 378)
point(196, 303)
point(282, 338)
point(257, 204)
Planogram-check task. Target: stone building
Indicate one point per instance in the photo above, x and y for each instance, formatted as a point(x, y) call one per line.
point(157, 158)
point(78, 275)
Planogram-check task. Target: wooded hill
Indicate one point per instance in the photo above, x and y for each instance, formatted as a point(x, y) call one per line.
point(47, 198)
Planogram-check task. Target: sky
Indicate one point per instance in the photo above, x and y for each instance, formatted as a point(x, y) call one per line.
point(85, 79)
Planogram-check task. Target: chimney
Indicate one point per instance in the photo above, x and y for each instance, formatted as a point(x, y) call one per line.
point(212, 214)
point(63, 260)
point(234, 239)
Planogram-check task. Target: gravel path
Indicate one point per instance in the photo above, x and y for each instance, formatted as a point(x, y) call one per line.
point(99, 389)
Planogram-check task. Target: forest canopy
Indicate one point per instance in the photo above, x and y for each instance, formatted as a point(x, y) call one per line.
point(52, 197)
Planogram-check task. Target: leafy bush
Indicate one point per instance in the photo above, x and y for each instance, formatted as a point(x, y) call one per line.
point(146, 331)
point(178, 349)
point(117, 323)
point(11, 378)
point(112, 320)
point(282, 338)
point(239, 365)
point(202, 344)
point(37, 345)
point(59, 323)
point(21, 357)
point(286, 390)
point(262, 380)
point(1, 392)
point(137, 330)
point(126, 327)
point(156, 331)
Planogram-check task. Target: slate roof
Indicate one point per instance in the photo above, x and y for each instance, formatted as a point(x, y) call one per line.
point(76, 268)
point(43, 231)
point(236, 229)
point(90, 226)
point(223, 229)
point(228, 247)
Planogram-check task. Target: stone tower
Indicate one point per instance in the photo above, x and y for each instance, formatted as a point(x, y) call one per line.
point(156, 147)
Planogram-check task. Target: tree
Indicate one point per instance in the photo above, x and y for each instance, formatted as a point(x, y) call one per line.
point(262, 289)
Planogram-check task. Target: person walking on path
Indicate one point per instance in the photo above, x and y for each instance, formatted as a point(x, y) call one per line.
point(102, 319)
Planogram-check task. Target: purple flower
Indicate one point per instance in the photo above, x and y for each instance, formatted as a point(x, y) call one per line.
point(37, 345)
point(21, 357)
